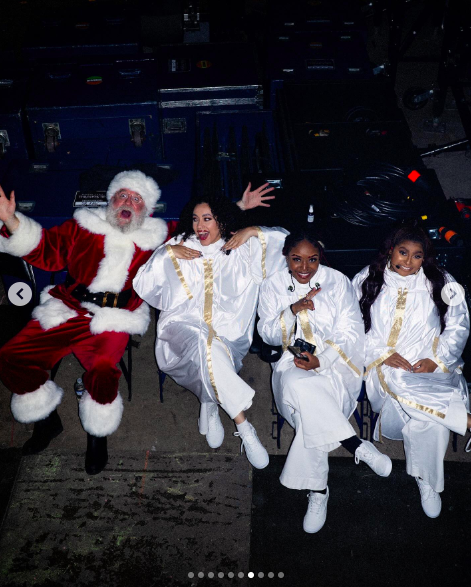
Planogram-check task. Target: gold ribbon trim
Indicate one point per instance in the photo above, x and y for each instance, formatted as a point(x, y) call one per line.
point(306, 327)
point(404, 401)
point(284, 333)
point(208, 318)
point(440, 363)
point(381, 359)
point(395, 330)
point(263, 242)
point(171, 254)
point(344, 357)
point(398, 317)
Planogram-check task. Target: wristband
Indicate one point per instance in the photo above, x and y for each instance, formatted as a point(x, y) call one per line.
point(291, 308)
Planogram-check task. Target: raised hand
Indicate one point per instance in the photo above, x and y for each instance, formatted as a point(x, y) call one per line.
point(182, 252)
point(7, 210)
point(252, 199)
point(239, 238)
point(306, 302)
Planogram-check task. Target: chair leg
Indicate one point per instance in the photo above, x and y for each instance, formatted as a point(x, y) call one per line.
point(55, 369)
point(162, 376)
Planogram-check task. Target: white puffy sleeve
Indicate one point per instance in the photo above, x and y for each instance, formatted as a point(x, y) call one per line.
point(266, 255)
point(160, 281)
point(348, 336)
point(276, 323)
point(449, 346)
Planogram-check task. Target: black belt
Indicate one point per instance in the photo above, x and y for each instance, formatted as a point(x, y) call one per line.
point(104, 299)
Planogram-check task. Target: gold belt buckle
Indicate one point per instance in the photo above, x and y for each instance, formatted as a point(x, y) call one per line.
point(105, 299)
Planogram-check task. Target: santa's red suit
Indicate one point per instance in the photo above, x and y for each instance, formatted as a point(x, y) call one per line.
point(104, 259)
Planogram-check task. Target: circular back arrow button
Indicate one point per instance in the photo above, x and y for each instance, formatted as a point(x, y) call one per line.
point(20, 294)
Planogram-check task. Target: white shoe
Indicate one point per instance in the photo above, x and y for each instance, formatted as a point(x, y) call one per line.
point(255, 451)
point(316, 511)
point(210, 424)
point(369, 454)
point(431, 500)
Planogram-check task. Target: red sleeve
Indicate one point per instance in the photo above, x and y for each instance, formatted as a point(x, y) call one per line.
point(52, 252)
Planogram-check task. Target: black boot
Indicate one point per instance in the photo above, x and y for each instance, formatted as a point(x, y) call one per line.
point(44, 431)
point(97, 454)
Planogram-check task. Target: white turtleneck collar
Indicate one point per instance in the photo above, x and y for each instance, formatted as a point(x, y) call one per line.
point(393, 279)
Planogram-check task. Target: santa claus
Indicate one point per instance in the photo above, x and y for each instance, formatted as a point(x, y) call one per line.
point(91, 315)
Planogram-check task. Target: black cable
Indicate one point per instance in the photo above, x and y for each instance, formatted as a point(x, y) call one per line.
point(382, 195)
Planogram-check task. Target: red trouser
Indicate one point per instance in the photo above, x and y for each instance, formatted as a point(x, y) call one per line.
point(26, 358)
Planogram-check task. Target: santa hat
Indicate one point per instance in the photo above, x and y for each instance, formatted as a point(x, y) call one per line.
point(135, 181)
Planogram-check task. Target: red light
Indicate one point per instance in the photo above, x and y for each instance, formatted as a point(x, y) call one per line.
point(414, 176)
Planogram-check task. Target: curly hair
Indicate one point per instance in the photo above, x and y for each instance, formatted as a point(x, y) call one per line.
point(299, 235)
point(227, 214)
point(374, 281)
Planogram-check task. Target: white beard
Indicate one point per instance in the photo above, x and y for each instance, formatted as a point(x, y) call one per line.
point(112, 215)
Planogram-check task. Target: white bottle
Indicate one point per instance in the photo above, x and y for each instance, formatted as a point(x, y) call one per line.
point(310, 215)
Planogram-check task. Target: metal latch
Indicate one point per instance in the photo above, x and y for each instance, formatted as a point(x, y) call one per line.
point(173, 125)
point(137, 129)
point(4, 142)
point(52, 134)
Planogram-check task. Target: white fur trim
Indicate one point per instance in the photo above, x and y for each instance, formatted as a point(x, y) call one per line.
point(25, 238)
point(100, 419)
point(114, 267)
point(136, 181)
point(52, 312)
point(147, 237)
point(118, 319)
point(36, 405)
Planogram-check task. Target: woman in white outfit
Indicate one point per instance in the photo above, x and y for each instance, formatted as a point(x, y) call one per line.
point(205, 282)
point(316, 396)
point(414, 343)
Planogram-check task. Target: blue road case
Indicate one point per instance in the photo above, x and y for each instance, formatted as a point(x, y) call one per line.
point(48, 193)
point(91, 30)
point(200, 78)
point(305, 16)
point(43, 193)
point(13, 140)
point(339, 125)
point(101, 113)
point(233, 147)
point(315, 56)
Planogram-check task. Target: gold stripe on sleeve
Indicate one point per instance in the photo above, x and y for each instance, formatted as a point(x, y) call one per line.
point(398, 317)
point(208, 318)
point(171, 254)
point(440, 363)
point(284, 333)
point(263, 242)
point(344, 357)
point(404, 401)
point(306, 327)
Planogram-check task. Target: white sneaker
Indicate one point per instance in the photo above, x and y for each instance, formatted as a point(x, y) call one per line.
point(369, 454)
point(255, 451)
point(210, 424)
point(431, 500)
point(316, 511)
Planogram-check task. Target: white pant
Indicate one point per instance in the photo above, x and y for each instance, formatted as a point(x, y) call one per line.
point(234, 394)
point(320, 425)
point(426, 437)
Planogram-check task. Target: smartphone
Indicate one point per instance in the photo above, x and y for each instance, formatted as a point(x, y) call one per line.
point(297, 353)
